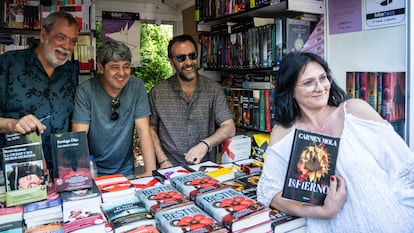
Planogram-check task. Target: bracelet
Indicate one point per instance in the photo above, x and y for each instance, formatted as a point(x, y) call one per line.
point(165, 160)
point(205, 143)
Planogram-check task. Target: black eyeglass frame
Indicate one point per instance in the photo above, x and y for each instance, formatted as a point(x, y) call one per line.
point(182, 57)
point(115, 104)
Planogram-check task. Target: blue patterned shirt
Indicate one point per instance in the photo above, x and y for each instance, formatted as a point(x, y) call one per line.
point(25, 88)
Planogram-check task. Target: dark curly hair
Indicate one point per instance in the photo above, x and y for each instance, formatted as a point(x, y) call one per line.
point(287, 110)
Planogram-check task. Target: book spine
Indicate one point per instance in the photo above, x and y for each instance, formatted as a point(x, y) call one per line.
point(372, 90)
point(350, 85)
point(262, 114)
point(363, 86)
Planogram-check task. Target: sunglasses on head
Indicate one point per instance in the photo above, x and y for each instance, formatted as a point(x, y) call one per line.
point(183, 57)
point(115, 105)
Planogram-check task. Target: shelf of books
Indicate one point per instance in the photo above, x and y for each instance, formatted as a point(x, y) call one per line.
point(206, 197)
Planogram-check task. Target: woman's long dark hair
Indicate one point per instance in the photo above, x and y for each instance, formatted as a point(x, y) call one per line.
point(286, 108)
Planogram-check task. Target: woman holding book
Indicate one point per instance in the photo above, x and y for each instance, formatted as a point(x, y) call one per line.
point(373, 186)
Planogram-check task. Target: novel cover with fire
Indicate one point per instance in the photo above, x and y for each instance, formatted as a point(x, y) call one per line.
point(312, 162)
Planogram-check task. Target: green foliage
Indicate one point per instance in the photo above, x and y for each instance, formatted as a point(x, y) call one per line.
point(155, 66)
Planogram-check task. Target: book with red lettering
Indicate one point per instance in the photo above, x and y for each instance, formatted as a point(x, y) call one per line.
point(112, 187)
point(234, 210)
point(160, 197)
point(186, 217)
point(312, 162)
point(194, 183)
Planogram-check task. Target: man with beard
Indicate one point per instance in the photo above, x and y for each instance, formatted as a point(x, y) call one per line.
point(108, 107)
point(37, 85)
point(190, 113)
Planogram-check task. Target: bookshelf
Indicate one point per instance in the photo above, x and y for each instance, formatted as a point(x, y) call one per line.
point(244, 42)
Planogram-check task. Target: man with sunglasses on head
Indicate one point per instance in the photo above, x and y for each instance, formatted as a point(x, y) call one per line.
point(108, 107)
point(37, 85)
point(190, 113)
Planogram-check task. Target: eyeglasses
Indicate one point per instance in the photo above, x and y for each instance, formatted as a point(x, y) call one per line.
point(183, 57)
point(115, 105)
point(310, 85)
point(60, 37)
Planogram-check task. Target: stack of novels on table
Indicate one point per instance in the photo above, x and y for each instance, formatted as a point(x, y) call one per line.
point(41, 213)
point(113, 187)
point(11, 219)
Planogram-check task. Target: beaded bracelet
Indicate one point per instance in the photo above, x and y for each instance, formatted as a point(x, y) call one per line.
point(165, 160)
point(205, 143)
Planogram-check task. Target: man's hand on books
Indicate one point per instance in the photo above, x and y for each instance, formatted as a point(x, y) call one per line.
point(196, 153)
point(27, 124)
point(336, 197)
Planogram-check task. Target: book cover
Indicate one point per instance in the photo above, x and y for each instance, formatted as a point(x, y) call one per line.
point(126, 214)
point(194, 183)
point(260, 142)
point(145, 182)
point(70, 153)
point(363, 86)
point(81, 209)
point(55, 227)
point(246, 184)
point(160, 197)
point(114, 186)
point(297, 33)
point(232, 209)
point(312, 162)
point(164, 175)
point(43, 209)
point(186, 217)
point(24, 169)
point(142, 229)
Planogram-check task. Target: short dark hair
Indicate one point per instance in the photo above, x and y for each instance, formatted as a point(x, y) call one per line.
point(286, 108)
point(20, 171)
point(180, 38)
point(54, 16)
point(113, 51)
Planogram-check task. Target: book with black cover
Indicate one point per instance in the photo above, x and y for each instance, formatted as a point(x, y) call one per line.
point(312, 162)
point(24, 169)
point(70, 153)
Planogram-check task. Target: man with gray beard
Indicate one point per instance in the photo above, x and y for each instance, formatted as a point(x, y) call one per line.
point(189, 113)
point(37, 85)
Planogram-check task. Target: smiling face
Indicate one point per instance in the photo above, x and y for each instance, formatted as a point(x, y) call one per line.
point(186, 69)
point(115, 75)
point(312, 89)
point(58, 44)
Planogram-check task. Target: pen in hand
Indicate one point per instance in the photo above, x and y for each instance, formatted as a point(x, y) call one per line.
point(44, 118)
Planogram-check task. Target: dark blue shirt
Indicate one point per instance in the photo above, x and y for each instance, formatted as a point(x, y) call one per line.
point(25, 88)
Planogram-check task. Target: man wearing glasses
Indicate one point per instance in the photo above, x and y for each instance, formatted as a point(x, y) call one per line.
point(37, 85)
point(108, 107)
point(190, 113)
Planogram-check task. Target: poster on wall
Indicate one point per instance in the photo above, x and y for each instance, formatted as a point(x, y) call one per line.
point(344, 16)
point(124, 27)
point(384, 13)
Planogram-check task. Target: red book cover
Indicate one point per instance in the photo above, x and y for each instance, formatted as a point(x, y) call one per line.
point(114, 186)
point(363, 86)
point(312, 162)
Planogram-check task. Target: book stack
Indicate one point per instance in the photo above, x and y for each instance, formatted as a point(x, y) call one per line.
point(186, 217)
point(113, 187)
point(127, 214)
point(160, 197)
point(233, 210)
point(164, 175)
point(43, 212)
point(11, 219)
point(82, 212)
point(282, 222)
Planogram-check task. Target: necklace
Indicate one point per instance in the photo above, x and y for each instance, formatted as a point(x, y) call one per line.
point(320, 127)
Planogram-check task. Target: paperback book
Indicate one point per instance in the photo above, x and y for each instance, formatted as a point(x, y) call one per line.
point(186, 217)
point(159, 197)
point(164, 175)
point(11, 219)
point(232, 209)
point(23, 161)
point(194, 183)
point(112, 187)
point(70, 153)
point(312, 163)
point(126, 214)
point(43, 212)
point(246, 184)
point(81, 211)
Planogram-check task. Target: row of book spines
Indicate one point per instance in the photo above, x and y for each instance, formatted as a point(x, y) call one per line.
point(377, 89)
point(253, 48)
point(83, 58)
point(212, 9)
point(80, 12)
point(252, 109)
